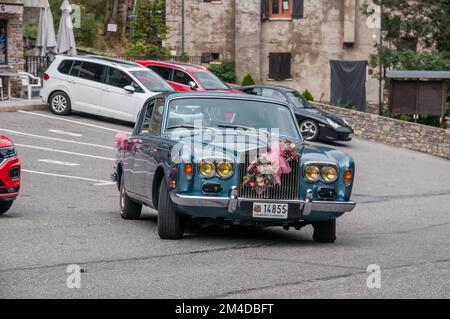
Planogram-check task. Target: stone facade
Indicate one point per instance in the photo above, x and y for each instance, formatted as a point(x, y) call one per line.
point(329, 30)
point(15, 61)
point(393, 132)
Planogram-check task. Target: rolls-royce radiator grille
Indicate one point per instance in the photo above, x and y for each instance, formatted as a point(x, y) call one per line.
point(289, 188)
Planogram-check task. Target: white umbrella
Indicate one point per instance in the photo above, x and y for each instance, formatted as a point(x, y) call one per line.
point(46, 41)
point(66, 38)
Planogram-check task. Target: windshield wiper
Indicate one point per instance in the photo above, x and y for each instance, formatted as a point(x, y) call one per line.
point(245, 128)
point(181, 126)
point(191, 127)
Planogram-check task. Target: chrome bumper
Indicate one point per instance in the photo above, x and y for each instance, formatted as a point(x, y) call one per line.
point(233, 202)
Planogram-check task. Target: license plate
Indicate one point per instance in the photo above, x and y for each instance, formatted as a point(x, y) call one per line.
point(273, 211)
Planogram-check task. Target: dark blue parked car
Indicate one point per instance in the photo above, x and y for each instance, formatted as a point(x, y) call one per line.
point(229, 158)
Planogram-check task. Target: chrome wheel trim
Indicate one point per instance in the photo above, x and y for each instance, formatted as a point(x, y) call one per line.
point(309, 130)
point(59, 103)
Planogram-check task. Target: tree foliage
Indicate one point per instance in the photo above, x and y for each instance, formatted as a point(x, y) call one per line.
point(416, 34)
point(150, 30)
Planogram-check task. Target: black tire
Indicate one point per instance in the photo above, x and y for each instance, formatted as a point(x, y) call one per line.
point(60, 103)
point(325, 232)
point(4, 207)
point(310, 130)
point(129, 209)
point(170, 222)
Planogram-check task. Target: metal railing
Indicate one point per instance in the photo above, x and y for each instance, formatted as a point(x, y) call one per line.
point(184, 59)
point(37, 65)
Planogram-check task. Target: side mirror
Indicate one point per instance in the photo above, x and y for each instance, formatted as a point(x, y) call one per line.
point(130, 89)
point(193, 85)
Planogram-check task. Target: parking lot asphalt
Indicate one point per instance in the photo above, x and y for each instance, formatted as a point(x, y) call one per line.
point(68, 213)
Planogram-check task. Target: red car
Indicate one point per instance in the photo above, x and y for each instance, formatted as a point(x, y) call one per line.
point(187, 77)
point(9, 174)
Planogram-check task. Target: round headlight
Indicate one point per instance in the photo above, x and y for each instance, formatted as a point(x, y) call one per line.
point(312, 173)
point(329, 174)
point(225, 170)
point(207, 169)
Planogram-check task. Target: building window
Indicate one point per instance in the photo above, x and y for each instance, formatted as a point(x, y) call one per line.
point(208, 57)
point(3, 42)
point(280, 66)
point(280, 9)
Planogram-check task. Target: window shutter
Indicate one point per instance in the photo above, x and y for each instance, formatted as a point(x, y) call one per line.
point(274, 66)
point(285, 66)
point(264, 10)
point(297, 10)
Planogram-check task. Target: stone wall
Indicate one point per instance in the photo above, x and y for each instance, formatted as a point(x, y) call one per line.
point(394, 132)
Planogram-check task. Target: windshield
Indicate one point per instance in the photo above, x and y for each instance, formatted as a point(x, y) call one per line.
point(226, 114)
point(209, 81)
point(152, 81)
point(298, 100)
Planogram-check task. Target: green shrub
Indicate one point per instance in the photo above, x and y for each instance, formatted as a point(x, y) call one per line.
point(224, 71)
point(184, 57)
point(308, 96)
point(248, 80)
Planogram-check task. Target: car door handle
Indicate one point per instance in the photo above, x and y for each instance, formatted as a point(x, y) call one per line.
point(106, 90)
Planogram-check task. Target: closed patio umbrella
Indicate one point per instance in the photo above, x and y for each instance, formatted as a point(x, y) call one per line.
point(46, 41)
point(66, 38)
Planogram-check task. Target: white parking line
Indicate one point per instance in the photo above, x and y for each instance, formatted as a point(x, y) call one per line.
point(65, 152)
point(98, 182)
point(48, 161)
point(65, 133)
point(56, 139)
point(75, 122)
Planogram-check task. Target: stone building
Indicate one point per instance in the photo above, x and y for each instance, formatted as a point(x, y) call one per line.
point(12, 14)
point(282, 42)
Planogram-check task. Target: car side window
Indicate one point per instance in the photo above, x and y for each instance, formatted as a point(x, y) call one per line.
point(145, 128)
point(274, 94)
point(92, 71)
point(76, 67)
point(162, 71)
point(65, 66)
point(181, 77)
point(151, 125)
point(120, 79)
point(254, 91)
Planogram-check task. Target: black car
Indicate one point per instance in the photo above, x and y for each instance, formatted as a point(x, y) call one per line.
point(315, 124)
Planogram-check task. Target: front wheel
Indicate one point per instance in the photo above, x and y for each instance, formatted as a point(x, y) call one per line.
point(325, 232)
point(4, 207)
point(310, 130)
point(170, 222)
point(60, 103)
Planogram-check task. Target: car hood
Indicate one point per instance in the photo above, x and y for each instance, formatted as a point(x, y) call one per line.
point(195, 149)
point(321, 115)
point(232, 148)
point(5, 142)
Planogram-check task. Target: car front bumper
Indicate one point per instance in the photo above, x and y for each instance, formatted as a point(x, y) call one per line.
point(233, 203)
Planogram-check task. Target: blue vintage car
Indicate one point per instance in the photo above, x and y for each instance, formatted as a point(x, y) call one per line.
point(233, 159)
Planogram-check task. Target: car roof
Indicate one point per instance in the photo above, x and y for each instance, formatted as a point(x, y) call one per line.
point(178, 65)
point(264, 86)
point(231, 96)
point(104, 60)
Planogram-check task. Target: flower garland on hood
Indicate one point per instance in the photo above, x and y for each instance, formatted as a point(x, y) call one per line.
point(266, 171)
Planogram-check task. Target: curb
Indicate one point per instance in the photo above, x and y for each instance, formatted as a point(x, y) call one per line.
point(31, 107)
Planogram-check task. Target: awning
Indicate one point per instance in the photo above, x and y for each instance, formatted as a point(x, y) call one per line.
point(399, 74)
